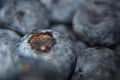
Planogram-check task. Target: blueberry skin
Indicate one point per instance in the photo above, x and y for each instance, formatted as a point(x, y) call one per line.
point(62, 11)
point(61, 55)
point(8, 40)
point(95, 24)
point(79, 47)
point(65, 30)
point(8, 60)
point(37, 69)
point(116, 11)
point(117, 50)
point(98, 64)
point(24, 16)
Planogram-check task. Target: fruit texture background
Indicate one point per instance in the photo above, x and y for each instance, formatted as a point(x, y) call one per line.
point(59, 39)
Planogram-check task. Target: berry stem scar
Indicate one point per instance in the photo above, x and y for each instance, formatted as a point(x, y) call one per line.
point(42, 41)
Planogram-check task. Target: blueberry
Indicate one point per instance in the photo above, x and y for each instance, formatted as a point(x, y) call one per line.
point(116, 11)
point(8, 60)
point(98, 64)
point(62, 11)
point(3, 2)
point(8, 40)
point(79, 47)
point(24, 16)
point(52, 48)
point(117, 50)
point(95, 24)
point(65, 30)
point(36, 69)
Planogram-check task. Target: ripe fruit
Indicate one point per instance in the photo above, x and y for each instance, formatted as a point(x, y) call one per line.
point(24, 16)
point(49, 47)
point(8, 65)
point(95, 24)
point(65, 30)
point(62, 11)
point(98, 64)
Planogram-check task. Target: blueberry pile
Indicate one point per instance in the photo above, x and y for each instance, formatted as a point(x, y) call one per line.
point(59, 39)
